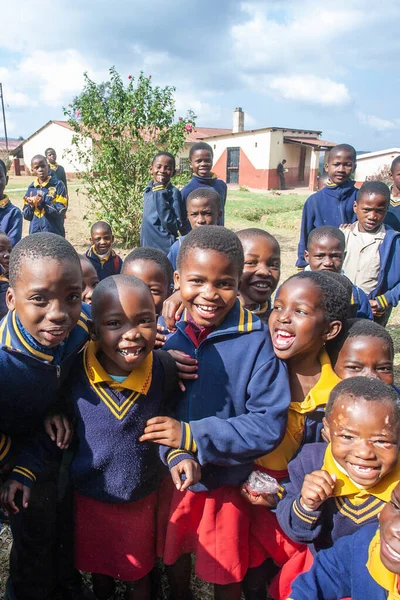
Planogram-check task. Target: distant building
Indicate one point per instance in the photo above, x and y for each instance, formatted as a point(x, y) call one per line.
point(371, 162)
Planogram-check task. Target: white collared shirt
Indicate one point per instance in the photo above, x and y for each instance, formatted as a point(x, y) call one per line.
point(362, 262)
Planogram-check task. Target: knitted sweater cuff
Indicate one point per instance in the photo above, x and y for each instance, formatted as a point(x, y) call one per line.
point(5, 448)
point(301, 518)
point(383, 303)
point(176, 456)
point(23, 475)
point(187, 441)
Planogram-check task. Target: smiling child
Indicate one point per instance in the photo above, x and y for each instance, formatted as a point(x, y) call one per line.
point(101, 254)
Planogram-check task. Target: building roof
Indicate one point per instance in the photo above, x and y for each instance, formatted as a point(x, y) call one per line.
point(309, 141)
point(12, 144)
point(229, 132)
point(200, 133)
point(366, 155)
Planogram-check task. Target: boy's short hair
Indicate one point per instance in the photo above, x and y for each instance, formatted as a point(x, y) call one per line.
point(369, 388)
point(200, 146)
point(46, 152)
point(102, 224)
point(37, 246)
point(38, 157)
point(374, 187)
point(3, 166)
point(395, 162)
point(253, 232)
point(335, 293)
point(353, 328)
point(110, 284)
point(206, 193)
point(213, 237)
point(325, 231)
point(148, 253)
point(171, 156)
point(342, 148)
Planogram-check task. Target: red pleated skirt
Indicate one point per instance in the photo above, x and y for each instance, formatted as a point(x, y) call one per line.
point(213, 525)
point(115, 539)
point(300, 562)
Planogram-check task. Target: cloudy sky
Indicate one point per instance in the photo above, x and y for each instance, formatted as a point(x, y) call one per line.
point(289, 63)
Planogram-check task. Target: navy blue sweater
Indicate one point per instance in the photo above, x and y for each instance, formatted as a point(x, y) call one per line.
point(237, 408)
point(10, 220)
point(109, 265)
point(4, 285)
point(333, 205)
point(360, 304)
point(50, 214)
point(348, 510)
point(164, 215)
point(351, 569)
point(59, 173)
point(110, 463)
point(30, 385)
point(213, 181)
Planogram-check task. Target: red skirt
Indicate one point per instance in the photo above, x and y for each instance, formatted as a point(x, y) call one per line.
point(300, 562)
point(213, 525)
point(115, 539)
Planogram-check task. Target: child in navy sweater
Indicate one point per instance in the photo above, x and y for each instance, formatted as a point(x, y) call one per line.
point(45, 202)
point(393, 214)
point(5, 250)
point(373, 251)
point(57, 169)
point(40, 336)
point(232, 411)
point(333, 205)
point(10, 215)
point(117, 385)
point(326, 252)
point(365, 565)
point(101, 254)
point(201, 159)
point(164, 211)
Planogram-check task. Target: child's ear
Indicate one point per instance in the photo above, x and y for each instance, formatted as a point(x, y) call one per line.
point(7, 180)
point(354, 206)
point(326, 428)
point(92, 330)
point(390, 175)
point(177, 283)
point(354, 167)
point(333, 329)
point(326, 167)
point(306, 255)
point(10, 299)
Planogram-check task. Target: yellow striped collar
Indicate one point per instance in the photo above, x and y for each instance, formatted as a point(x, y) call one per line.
point(319, 394)
point(104, 258)
point(4, 201)
point(37, 183)
point(378, 571)
point(344, 486)
point(139, 380)
point(53, 166)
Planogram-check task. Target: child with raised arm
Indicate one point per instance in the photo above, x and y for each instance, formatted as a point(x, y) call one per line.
point(10, 215)
point(164, 211)
point(333, 205)
point(117, 385)
point(45, 202)
point(233, 412)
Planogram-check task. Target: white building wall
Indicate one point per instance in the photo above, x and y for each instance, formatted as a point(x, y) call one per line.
point(256, 146)
point(369, 166)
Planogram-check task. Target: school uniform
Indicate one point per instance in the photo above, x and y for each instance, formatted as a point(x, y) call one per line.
point(59, 173)
point(212, 181)
point(109, 264)
point(351, 568)
point(393, 214)
point(333, 205)
point(39, 560)
point(164, 215)
point(174, 251)
point(10, 220)
point(50, 215)
point(4, 285)
point(233, 413)
point(115, 476)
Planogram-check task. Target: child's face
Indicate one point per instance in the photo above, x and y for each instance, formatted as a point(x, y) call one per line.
point(340, 166)
point(371, 210)
point(202, 212)
point(209, 285)
point(5, 249)
point(40, 169)
point(102, 240)
point(298, 324)
point(3, 182)
point(154, 277)
point(201, 163)
point(162, 169)
point(364, 436)
point(262, 268)
point(126, 328)
point(51, 157)
point(396, 175)
point(365, 356)
point(389, 524)
point(326, 254)
point(90, 280)
point(47, 299)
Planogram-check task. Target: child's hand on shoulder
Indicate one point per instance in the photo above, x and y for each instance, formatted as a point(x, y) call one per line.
point(186, 365)
point(191, 469)
point(163, 430)
point(266, 500)
point(160, 337)
point(317, 487)
point(7, 496)
point(59, 430)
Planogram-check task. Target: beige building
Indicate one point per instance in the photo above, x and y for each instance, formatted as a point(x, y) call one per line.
point(371, 163)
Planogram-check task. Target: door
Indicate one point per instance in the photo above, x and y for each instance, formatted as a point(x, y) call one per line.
point(232, 165)
point(302, 163)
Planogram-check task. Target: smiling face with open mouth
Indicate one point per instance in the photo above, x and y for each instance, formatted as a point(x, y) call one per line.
point(364, 437)
point(125, 325)
point(389, 522)
point(209, 285)
point(262, 268)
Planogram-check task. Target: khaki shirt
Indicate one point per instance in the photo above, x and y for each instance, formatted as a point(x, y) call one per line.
point(362, 262)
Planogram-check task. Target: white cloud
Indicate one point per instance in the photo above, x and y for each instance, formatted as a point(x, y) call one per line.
point(378, 124)
point(311, 90)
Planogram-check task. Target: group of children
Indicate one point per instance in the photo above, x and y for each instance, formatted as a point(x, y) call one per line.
point(175, 359)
